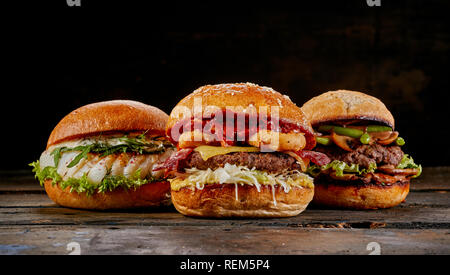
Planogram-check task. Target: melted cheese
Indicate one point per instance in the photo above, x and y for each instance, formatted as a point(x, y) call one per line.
point(207, 152)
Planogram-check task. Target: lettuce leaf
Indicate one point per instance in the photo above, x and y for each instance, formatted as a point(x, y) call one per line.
point(408, 162)
point(109, 183)
point(340, 168)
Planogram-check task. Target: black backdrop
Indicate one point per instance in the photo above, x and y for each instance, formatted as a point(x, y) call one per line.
point(59, 58)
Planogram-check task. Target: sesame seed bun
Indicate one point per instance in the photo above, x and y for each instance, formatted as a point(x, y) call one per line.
point(219, 200)
point(238, 97)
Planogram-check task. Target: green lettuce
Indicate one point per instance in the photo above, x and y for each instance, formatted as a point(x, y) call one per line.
point(82, 185)
point(408, 162)
point(340, 168)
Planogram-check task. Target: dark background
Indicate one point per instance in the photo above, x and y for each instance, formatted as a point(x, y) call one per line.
point(58, 58)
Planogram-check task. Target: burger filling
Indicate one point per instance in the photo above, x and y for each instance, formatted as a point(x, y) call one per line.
point(240, 175)
point(197, 168)
point(371, 154)
point(103, 163)
point(254, 151)
point(366, 156)
point(271, 162)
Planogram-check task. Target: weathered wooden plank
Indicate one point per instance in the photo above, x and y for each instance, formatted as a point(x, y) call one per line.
point(421, 210)
point(25, 199)
point(19, 181)
point(412, 217)
point(432, 178)
point(415, 199)
point(219, 240)
point(29, 187)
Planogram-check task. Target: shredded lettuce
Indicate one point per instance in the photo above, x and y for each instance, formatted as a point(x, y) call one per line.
point(241, 175)
point(408, 162)
point(340, 168)
point(109, 183)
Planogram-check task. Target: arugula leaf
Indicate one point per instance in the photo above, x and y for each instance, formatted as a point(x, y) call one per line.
point(57, 155)
point(80, 156)
point(136, 144)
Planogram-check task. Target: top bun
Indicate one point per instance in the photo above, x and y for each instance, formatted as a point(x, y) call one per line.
point(238, 97)
point(346, 105)
point(109, 116)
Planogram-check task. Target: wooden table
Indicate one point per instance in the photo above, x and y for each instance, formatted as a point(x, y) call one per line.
point(30, 223)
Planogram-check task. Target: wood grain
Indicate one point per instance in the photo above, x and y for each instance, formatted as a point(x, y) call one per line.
point(420, 211)
point(30, 223)
point(193, 240)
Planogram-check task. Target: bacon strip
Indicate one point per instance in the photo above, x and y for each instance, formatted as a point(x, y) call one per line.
point(315, 157)
point(171, 164)
point(241, 132)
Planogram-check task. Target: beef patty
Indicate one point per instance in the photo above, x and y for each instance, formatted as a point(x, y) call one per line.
point(271, 162)
point(364, 155)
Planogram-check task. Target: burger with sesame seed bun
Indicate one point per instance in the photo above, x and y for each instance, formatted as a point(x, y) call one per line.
point(243, 151)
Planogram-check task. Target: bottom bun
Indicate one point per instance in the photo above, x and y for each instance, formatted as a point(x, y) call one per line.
point(362, 196)
point(219, 200)
point(148, 195)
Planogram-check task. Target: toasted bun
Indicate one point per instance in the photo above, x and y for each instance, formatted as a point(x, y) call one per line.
point(346, 105)
point(219, 200)
point(238, 98)
point(359, 196)
point(148, 195)
point(109, 116)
